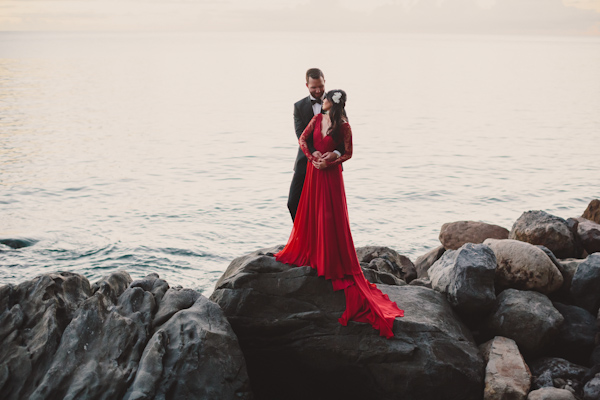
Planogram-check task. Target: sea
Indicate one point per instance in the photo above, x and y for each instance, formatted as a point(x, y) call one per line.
point(172, 153)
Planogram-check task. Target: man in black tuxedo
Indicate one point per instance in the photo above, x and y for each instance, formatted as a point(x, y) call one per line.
point(304, 111)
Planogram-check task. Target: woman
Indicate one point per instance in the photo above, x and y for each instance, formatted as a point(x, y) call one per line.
point(321, 234)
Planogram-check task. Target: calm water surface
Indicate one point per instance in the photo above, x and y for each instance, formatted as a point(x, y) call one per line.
point(173, 153)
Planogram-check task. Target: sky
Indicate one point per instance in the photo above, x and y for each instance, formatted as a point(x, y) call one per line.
point(553, 17)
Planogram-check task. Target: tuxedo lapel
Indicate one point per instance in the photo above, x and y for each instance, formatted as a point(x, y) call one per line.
point(307, 110)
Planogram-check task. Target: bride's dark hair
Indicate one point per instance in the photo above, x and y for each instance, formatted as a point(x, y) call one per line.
point(337, 112)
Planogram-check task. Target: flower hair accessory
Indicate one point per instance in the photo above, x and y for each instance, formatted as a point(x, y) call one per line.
point(336, 97)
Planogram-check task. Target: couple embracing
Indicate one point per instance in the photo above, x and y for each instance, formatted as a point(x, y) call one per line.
point(321, 235)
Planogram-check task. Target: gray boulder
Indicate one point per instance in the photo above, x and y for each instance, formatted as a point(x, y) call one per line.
point(559, 373)
point(424, 262)
point(286, 319)
point(507, 377)
point(539, 227)
point(384, 259)
point(524, 266)
point(526, 317)
point(551, 393)
point(586, 283)
point(455, 234)
point(466, 277)
point(576, 337)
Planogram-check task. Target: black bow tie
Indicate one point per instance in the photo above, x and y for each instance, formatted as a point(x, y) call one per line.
point(316, 101)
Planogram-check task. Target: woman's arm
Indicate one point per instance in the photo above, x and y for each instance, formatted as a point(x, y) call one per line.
point(307, 134)
point(346, 132)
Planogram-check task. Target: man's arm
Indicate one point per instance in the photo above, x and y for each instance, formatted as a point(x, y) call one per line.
point(299, 127)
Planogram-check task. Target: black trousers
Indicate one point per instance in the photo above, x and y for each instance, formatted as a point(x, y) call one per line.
point(295, 192)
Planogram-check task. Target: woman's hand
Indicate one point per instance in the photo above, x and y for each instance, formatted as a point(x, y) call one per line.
point(317, 154)
point(320, 164)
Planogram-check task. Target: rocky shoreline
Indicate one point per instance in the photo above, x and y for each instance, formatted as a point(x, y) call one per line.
point(489, 314)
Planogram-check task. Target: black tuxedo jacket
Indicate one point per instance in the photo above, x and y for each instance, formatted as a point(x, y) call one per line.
point(303, 113)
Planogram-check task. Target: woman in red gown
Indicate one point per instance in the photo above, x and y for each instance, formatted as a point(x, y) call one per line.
point(321, 234)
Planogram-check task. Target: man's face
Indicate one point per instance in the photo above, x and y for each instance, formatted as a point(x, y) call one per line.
point(316, 87)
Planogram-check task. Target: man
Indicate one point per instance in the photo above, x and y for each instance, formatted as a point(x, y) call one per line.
point(304, 111)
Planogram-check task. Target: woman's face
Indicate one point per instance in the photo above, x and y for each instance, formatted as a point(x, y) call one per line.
point(326, 104)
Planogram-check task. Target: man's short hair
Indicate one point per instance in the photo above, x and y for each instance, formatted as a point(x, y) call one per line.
point(314, 73)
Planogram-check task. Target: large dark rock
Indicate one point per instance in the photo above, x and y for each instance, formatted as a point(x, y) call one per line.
point(286, 319)
point(194, 355)
point(466, 277)
point(64, 339)
point(586, 283)
point(539, 227)
point(425, 261)
point(526, 317)
point(559, 373)
point(577, 334)
point(454, 235)
point(592, 212)
point(33, 316)
point(384, 259)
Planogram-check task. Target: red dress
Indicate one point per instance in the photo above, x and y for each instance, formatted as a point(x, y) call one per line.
point(321, 235)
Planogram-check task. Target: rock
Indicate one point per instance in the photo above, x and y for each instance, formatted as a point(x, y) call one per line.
point(550, 393)
point(194, 355)
point(567, 269)
point(377, 277)
point(427, 260)
point(586, 283)
point(286, 319)
point(575, 340)
point(455, 234)
point(557, 372)
point(526, 317)
point(466, 277)
point(64, 339)
point(589, 233)
point(384, 259)
point(539, 227)
point(17, 243)
point(524, 266)
point(573, 224)
point(591, 390)
point(33, 316)
point(592, 212)
point(506, 374)
point(174, 301)
point(424, 282)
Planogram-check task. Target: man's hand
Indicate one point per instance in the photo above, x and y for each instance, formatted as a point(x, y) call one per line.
point(317, 154)
point(320, 164)
point(330, 156)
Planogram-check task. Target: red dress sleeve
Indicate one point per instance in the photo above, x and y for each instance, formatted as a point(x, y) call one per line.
point(308, 132)
point(346, 132)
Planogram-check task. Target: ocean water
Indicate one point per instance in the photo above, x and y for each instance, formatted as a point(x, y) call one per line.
point(172, 153)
